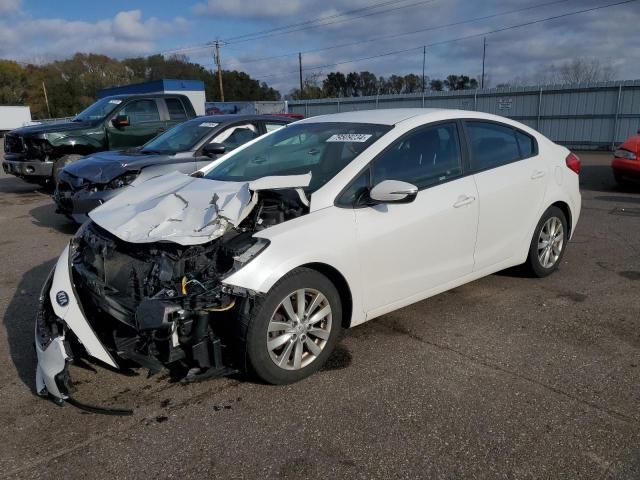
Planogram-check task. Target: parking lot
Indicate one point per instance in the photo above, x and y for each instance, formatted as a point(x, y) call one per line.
point(506, 377)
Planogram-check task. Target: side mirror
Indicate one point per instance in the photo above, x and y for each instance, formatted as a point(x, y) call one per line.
point(120, 121)
point(213, 149)
point(393, 191)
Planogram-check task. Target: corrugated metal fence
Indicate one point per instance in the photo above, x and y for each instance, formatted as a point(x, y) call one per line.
point(585, 116)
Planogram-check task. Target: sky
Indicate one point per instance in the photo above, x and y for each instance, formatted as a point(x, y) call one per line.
point(41, 30)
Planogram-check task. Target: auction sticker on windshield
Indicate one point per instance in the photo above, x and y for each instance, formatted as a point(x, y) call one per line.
point(208, 124)
point(349, 137)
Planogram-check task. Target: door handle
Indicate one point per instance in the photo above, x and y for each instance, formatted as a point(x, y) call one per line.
point(537, 174)
point(464, 200)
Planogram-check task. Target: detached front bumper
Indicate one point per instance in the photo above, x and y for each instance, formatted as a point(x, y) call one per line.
point(28, 169)
point(59, 312)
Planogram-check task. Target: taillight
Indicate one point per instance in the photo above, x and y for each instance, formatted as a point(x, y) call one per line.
point(573, 162)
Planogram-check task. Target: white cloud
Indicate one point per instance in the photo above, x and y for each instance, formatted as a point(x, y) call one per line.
point(249, 9)
point(126, 34)
point(9, 6)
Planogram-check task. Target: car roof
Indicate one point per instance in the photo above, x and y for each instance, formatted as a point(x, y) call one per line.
point(393, 116)
point(233, 117)
point(389, 116)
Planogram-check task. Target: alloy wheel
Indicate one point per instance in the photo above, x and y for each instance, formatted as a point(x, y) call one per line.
point(550, 242)
point(299, 329)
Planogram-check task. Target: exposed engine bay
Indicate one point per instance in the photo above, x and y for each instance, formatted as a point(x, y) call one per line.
point(162, 304)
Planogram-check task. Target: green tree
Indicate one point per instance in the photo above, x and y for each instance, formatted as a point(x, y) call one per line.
point(12, 80)
point(334, 85)
point(436, 85)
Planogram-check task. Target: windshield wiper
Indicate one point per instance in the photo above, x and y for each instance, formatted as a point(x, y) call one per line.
point(151, 152)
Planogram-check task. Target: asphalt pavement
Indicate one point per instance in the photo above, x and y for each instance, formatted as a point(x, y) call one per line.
point(507, 377)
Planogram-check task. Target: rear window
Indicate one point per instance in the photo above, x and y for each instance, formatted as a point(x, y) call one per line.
point(528, 147)
point(176, 109)
point(492, 145)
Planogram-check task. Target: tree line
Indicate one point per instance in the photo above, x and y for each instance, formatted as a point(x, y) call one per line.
point(71, 85)
point(361, 84)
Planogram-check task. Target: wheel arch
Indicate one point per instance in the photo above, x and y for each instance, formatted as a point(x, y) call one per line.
point(564, 206)
point(341, 285)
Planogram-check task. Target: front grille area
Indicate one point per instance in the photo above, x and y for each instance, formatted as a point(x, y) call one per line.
point(114, 276)
point(13, 144)
point(35, 148)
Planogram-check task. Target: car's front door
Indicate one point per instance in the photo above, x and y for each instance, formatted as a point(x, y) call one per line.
point(144, 124)
point(409, 250)
point(512, 179)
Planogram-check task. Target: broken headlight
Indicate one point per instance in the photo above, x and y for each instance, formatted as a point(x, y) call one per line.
point(248, 252)
point(123, 180)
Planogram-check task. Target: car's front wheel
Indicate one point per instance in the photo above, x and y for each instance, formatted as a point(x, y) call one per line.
point(292, 330)
point(62, 162)
point(548, 243)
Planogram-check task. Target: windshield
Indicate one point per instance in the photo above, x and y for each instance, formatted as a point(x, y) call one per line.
point(98, 110)
point(320, 148)
point(181, 138)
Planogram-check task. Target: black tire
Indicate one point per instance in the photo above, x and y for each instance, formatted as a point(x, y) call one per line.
point(255, 323)
point(533, 264)
point(59, 164)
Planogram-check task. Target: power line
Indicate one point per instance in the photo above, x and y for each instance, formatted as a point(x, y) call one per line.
point(397, 35)
point(307, 22)
point(476, 35)
point(265, 33)
point(423, 2)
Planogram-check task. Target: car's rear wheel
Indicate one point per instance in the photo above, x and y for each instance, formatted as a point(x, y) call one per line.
point(548, 243)
point(291, 331)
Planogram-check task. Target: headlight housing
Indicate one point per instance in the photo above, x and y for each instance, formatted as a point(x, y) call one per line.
point(123, 180)
point(626, 154)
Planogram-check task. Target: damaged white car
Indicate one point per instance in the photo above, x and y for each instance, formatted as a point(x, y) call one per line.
point(258, 261)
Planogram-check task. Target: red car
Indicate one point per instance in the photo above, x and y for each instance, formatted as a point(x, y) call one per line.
point(626, 161)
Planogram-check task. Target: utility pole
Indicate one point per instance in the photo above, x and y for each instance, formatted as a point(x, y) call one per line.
point(424, 60)
point(216, 57)
point(484, 54)
point(46, 99)
point(300, 65)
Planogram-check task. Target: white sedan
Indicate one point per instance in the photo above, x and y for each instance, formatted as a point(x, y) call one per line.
point(257, 262)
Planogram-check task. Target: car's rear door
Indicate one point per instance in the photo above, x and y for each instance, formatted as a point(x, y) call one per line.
point(145, 122)
point(409, 250)
point(512, 179)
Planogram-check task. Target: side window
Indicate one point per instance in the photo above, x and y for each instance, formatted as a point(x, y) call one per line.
point(176, 109)
point(271, 126)
point(492, 145)
point(528, 146)
point(141, 111)
point(423, 158)
point(237, 135)
point(360, 185)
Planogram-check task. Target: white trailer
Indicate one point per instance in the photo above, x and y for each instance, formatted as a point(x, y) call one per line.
point(12, 117)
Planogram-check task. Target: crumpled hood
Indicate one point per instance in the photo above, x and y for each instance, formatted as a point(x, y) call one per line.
point(101, 168)
point(183, 209)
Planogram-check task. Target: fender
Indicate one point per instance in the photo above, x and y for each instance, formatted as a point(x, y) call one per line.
point(318, 240)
